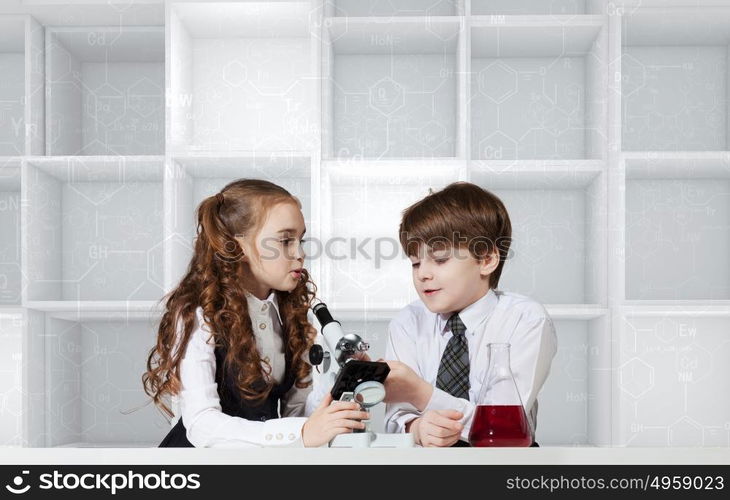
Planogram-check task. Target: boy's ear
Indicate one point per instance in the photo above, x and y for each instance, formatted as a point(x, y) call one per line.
point(488, 264)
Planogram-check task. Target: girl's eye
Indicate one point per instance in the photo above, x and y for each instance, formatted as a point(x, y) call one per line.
point(288, 241)
point(303, 241)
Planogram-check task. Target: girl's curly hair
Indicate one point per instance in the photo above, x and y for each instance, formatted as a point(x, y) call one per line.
point(213, 282)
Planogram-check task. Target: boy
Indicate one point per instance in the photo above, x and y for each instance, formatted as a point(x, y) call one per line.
point(457, 240)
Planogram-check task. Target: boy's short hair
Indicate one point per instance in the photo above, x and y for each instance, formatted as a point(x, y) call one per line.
point(461, 214)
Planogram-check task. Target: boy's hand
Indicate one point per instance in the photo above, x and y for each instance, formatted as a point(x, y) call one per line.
point(403, 385)
point(439, 428)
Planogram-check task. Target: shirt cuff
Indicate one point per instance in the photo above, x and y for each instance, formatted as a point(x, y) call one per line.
point(284, 432)
point(397, 424)
point(442, 400)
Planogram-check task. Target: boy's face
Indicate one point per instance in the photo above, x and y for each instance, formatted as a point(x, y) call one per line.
point(448, 279)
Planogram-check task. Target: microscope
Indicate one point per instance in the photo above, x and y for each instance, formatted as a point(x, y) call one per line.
point(354, 380)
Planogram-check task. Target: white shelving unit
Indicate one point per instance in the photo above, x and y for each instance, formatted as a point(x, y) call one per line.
point(10, 273)
point(601, 125)
point(93, 228)
point(241, 76)
point(671, 365)
point(570, 411)
point(538, 88)
point(105, 90)
point(90, 395)
point(674, 76)
point(391, 87)
point(669, 189)
point(21, 90)
point(11, 381)
point(678, 210)
point(12, 88)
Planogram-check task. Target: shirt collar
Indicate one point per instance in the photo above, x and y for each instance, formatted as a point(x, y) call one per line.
point(255, 305)
point(473, 314)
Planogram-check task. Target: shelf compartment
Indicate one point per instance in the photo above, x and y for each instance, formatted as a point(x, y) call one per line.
point(105, 91)
point(192, 178)
point(574, 403)
point(664, 369)
point(241, 76)
point(390, 88)
point(94, 228)
point(21, 88)
point(12, 85)
point(674, 72)
point(11, 383)
point(538, 89)
point(362, 205)
point(379, 8)
point(11, 281)
point(93, 372)
point(558, 214)
point(678, 210)
point(528, 7)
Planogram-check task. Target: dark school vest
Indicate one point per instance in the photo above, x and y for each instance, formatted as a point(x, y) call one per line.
point(233, 404)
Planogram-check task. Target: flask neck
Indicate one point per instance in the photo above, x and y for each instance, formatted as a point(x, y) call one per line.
point(499, 357)
point(499, 387)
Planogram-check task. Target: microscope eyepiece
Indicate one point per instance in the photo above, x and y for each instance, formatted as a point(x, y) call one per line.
point(343, 345)
point(323, 314)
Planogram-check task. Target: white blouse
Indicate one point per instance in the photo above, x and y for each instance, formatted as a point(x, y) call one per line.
point(206, 424)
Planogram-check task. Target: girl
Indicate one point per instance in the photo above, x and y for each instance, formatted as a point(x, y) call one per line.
point(232, 339)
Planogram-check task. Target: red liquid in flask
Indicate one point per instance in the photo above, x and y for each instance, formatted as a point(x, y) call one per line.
point(498, 425)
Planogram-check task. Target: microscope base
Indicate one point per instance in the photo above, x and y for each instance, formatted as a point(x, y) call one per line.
point(372, 440)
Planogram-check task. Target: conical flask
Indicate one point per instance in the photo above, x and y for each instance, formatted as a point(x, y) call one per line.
point(499, 418)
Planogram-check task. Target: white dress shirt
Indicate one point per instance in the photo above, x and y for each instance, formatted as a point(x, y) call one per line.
point(418, 338)
point(206, 424)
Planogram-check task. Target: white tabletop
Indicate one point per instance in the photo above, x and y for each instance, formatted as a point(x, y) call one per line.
point(324, 456)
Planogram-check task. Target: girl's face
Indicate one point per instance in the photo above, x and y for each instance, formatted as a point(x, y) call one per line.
point(274, 257)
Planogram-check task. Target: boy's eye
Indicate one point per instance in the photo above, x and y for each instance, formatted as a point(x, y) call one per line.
point(415, 265)
point(441, 261)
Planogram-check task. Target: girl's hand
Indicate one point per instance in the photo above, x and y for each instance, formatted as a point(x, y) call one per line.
point(330, 420)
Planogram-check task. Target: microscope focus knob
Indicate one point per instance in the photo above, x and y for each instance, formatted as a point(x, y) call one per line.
point(316, 355)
